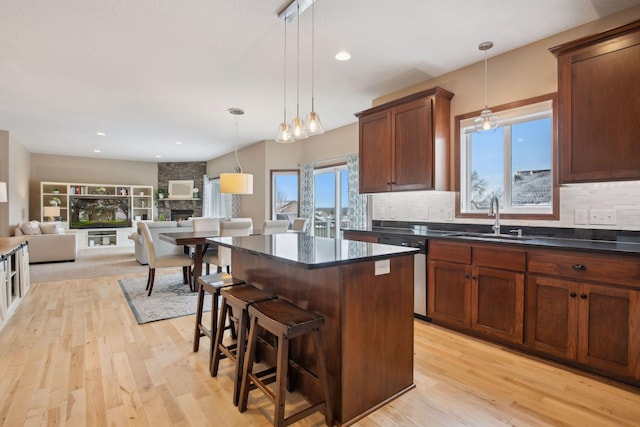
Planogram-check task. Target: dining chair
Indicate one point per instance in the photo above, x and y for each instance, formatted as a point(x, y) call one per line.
point(300, 224)
point(164, 261)
point(207, 224)
point(230, 228)
point(275, 226)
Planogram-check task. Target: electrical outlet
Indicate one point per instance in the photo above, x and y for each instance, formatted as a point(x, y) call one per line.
point(602, 216)
point(581, 217)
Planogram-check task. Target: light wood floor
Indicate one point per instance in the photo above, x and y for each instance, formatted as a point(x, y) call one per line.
point(73, 355)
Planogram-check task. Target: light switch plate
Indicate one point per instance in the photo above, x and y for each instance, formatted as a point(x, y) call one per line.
point(581, 217)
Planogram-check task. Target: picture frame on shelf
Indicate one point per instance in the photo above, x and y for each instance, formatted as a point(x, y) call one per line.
point(181, 189)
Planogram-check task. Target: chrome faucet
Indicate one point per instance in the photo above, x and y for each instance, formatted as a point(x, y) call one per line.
point(496, 213)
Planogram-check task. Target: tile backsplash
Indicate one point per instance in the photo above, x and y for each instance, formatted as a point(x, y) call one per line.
point(607, 205)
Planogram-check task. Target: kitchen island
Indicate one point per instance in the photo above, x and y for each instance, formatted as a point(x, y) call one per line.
point(363, 290)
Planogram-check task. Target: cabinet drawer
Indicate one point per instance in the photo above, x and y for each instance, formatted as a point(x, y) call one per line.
point(614, 269)
point(499, 257)
point(454, 252)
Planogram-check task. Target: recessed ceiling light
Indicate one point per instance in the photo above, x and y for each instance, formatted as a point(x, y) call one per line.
point(158, 156)
point(178, 142)
point(97, 151)
point(101, 134)
point(343, 56)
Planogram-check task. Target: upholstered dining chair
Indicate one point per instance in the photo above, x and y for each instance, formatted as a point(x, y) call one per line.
point(300, 224)
point(164, 261)
point(275, 226)
point(207, 224)
point(228, 228)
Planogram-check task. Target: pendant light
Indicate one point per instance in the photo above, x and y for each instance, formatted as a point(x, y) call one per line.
point(238, 182)
point(298, 129)
point(313, 125)
point(284, 132)
point(487, 119)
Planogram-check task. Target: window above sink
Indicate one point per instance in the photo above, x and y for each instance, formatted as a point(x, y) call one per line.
point(515, 162)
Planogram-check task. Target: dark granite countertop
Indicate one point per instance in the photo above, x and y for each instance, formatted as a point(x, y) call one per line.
point(312, 252)
point(573, 239)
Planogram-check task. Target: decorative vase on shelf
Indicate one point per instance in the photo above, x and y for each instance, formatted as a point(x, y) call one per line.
point(54, 201)
point(196, 192)
point(55, 191)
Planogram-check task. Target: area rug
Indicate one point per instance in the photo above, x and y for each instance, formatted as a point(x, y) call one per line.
point(170, 298)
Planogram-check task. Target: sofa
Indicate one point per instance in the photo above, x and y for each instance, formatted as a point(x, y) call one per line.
point(161, 247)
point(48, 241)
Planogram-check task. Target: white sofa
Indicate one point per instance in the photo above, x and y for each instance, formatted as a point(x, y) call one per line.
point(48, 242)
point(161, 247)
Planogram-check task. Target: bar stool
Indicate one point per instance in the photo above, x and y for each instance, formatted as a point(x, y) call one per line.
point(235, 301)
point(211, 284)
point(285, 321)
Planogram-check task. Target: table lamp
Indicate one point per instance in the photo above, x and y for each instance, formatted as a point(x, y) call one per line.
point(52, 212)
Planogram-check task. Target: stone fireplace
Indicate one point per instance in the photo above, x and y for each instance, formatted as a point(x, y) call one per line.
point(181, 171)
point(181, 214)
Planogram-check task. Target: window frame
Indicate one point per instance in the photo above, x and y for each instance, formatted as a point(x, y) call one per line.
point(555, 191)
point(273, 173)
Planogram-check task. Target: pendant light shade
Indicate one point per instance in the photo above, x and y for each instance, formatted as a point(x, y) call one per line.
point(284, 134)
point(238, 182)
point(487, 119)
point(298, 129)
point(313, 125)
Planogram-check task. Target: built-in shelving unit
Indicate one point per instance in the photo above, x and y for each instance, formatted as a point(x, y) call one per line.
point(132, 203)
point(14, 275)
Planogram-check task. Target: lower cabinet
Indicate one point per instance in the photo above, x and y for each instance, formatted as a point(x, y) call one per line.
point(579, 307)
point(468, 291)
point(594, 325)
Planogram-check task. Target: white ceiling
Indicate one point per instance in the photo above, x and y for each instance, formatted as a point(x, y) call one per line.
point(152, 72)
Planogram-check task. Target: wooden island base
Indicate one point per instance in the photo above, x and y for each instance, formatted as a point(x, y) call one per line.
point(368, 330)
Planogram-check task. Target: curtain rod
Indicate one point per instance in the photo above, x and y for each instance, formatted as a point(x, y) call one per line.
point(332, 159)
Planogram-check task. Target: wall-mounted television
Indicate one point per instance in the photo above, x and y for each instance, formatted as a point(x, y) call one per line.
point(100, 211)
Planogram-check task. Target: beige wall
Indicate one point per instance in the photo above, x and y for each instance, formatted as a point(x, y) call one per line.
point(14, 170)
point(515, 75)
point(45, 167)
point(263, 157)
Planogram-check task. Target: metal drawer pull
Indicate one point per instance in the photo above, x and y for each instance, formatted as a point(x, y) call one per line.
point(573, 294)
point(579, 267)
point(583, 296)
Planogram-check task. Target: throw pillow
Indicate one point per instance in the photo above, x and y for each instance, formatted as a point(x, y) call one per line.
point(30, 228)
point(51, 228)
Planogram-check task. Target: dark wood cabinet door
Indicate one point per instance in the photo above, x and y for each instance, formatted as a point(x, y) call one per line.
point(449, 293)
point(375, 153)
point(361, 237)
point(552, 316)
point(412, 166)
point(497, 303)
point(598, 91)
point(609, 329)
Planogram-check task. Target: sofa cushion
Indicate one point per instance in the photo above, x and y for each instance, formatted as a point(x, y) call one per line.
point(51, 228)
point(30, 228)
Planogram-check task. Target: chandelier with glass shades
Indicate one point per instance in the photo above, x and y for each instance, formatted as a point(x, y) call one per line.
point(299, 128)
point(487, 120)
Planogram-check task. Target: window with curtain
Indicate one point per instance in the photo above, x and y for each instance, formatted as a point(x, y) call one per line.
point(216, 204)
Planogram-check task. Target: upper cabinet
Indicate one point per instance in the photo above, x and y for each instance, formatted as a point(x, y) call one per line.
point(599, 111)
point(404, 144)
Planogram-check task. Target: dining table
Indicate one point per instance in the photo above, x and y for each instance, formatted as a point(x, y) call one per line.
point(188, 239)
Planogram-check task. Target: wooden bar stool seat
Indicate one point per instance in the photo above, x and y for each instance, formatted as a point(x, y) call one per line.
point(235, 301)
point(211, 284)
point(286, 321)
